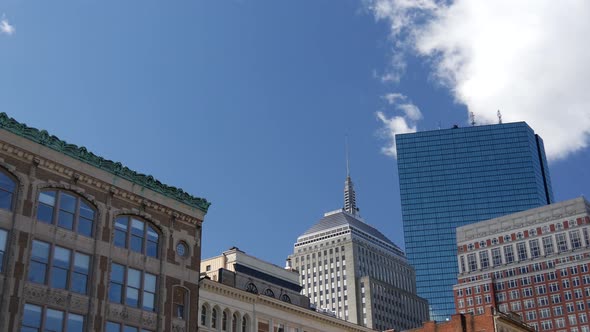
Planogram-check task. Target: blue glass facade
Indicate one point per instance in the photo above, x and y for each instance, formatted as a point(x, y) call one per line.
point(458, 176)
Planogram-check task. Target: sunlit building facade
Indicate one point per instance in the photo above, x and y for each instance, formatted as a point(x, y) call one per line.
point(454, 177)
point(535, 263)
point(350, 269)
point(87, 244)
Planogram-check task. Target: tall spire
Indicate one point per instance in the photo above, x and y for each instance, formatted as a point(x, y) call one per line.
point(349, 196)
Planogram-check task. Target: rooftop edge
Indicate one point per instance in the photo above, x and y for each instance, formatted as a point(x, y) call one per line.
point(82, 154)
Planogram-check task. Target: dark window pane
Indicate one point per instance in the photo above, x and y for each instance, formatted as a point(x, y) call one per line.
point(32, 316)
point(115, 292)
point(86, 211)
point(65, 220)
point(54, 320)
point(5, 200)
point(85, 227)
point(45, 213)
point(37, 272)
point(6, 182)
point(61, 257)
point(151, 249)
point(132, 298)
point(148, 301)
point(136, 243)
point(3, 235)
point(75, 323)
point(152, 235)
point(81, 263)
point(137, 227)
point(120, 238)
point(79, 282)
point(113, 327)
point(47, 198)
point(40, 251)
point(121, 223)
point(1, 261)
point(117, 273)
point(59, 278)
point(67, 202)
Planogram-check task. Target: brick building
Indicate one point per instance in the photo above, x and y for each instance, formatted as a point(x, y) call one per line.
point(489, 321)
point(535, 263)
point(87, 244)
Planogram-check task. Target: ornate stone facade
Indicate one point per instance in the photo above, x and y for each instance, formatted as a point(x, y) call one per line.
point(37, 166)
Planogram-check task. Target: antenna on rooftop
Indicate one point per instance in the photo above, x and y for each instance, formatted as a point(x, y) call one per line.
point(347, 164)
point(499, 117)
point(472, 118)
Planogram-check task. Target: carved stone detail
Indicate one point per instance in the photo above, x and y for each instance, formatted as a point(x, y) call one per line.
point(81, 153)
point(55, 297)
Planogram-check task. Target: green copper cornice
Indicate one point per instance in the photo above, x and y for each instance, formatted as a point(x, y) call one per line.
point(81, 153)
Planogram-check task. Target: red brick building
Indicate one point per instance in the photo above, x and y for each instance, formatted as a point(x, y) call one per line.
point(488, 321)
point(87, 244)
point(534, 263)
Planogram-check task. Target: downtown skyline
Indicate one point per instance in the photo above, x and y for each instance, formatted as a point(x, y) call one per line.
point(247, 105)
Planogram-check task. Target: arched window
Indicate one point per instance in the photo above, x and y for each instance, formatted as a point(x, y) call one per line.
point(137, 235)
point(204, 315)
point(224, 321)
point(234, 323)
point(180, 304)
point(269, 292)
point(251, 288)
point(67, 211)
point(244, 324)
point(7, 187)
point(285, 298)
point(214, 318)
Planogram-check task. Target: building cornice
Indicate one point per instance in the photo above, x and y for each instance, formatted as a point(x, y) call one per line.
point(82, 154)
point(78, 178)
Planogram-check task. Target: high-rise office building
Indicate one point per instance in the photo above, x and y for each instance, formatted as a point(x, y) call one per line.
point(349, 268)
point(458, 176)
point(534, 263)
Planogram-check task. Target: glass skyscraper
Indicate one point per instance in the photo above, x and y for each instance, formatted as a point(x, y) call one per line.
point(458, 176)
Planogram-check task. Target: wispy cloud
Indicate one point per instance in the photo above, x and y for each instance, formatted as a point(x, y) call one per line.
point(5, 27)
point(398, 124)
point(527, 58)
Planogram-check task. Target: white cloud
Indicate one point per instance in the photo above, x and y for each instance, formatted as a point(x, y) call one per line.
point(398, 124)
point(5, 27)
point(527, 58)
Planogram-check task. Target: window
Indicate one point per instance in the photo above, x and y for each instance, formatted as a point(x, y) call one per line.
point(534, 246)
point(3, 238)
point(67, 211)
point(484, 260)
point(137, 235)
point(59, 268)
point(132, 287)
point(179, 302)
point(496, 256)
point(472, 262)
point(224, 321)
point(508, 254)
point(522, 253)
point(117, 327)
point(37, 318)
point(575, 239)
point(548, 245)
point(561, 242)
point(203, 315)
point(7, 186)
point(214, 318)
point(234, 323)
point(244, 324)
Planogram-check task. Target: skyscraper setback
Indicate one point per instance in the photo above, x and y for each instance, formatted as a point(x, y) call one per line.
point(458, 176)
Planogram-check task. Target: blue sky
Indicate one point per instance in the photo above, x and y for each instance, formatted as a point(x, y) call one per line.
point(247, 103)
